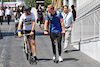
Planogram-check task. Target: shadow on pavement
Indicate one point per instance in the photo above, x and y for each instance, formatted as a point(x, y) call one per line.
point(71, 51)
point(44, 59)
point(12, 20)
point(1, 37)
point(69, 59)
point(7, 34)
point(40, 33)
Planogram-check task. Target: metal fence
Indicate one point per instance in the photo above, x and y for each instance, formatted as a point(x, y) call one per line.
point(86, 28)
point(87, 6)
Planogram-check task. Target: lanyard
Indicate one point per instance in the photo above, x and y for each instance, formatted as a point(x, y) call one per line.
point(65, 16)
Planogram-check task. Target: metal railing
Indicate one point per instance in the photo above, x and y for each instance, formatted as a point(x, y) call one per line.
point(87, 28)
point(87, 7)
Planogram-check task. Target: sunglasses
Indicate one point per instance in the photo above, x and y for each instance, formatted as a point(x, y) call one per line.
point(28, 11)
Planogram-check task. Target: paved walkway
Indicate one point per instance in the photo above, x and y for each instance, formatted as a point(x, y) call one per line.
point(12, 55)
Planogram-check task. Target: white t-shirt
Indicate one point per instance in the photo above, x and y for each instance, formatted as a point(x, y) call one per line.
point(1, 12)
point(27, 21)
point(8, 12)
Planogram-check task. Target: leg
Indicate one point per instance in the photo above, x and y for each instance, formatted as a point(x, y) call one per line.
point(67, 35)
point(63, 38)
point(59, 39)
point(33, 43)
point(29, 44)
point(8, 19)
point(53, 37)
point(34, 46)
point(16, 25)
point(40, 25)
point(0, 20)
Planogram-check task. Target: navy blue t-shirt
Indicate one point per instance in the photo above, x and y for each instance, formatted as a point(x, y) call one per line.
point(55, 22)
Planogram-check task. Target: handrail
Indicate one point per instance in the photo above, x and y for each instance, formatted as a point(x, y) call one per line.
point(83, 25)
point(88, 8)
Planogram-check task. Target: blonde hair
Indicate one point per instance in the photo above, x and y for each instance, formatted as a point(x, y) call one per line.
point(51, 6)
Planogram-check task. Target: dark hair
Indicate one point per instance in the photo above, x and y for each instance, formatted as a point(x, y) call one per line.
point(72, 6)
point(65, 6)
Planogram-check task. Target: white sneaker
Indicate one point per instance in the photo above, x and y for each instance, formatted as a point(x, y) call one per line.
point(54, 57)
point(65, 50)
point(60, 59)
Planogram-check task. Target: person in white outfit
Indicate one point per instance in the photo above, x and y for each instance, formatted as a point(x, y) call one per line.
point(1, 15)
point(68, 21)
point(8, 13)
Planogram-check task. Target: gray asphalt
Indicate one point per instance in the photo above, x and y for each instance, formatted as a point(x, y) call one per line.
point(12, 55)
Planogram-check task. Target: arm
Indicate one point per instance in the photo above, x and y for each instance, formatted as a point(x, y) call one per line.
point(19, 29)
point(5, 12)
point(71, 24)
point(33, 27)
point(71, 21)
point(15, 14)
point(11, 11)
point(63, 26)
point(37, 14)
point(45, 27)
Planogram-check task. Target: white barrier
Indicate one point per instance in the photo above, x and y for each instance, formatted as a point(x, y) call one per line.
point(34, 11)
point(86, 28)
point(87, 7)
point(85, 34)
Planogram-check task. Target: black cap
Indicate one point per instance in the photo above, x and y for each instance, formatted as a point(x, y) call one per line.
point(26, 8)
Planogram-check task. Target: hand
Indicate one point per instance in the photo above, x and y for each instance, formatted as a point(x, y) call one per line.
point(31, 33)
point(71, 27)
point(63, 32)
point(19, 35)
point(45, 33)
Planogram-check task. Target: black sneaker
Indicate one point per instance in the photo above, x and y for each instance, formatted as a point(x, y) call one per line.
point(1, 23)
point(31, 54)
point(35, 58)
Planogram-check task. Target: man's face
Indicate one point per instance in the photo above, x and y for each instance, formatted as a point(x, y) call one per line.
point(65, 9)
point(8, 7)
point(28, 12)
point(49, 9)
point(39, 6)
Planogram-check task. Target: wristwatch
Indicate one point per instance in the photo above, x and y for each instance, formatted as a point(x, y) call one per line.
point(46, 30)
point(32, 30)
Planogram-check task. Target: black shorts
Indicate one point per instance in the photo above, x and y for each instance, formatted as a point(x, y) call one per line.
point(27, 32)
point(40, 18)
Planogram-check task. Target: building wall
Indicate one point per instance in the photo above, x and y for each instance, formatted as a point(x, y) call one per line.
point(83, 3)
point(86, 28)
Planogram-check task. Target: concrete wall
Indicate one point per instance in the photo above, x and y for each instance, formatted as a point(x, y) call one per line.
point(92, 49)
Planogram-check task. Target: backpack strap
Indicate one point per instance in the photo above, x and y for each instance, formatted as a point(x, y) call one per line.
point(58, 14)
point(49, 15)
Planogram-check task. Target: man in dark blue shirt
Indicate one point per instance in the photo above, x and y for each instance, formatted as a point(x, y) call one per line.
point(40, 15)
point(56, 30)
